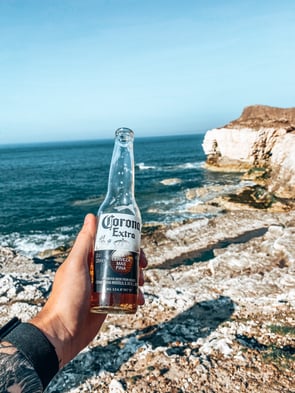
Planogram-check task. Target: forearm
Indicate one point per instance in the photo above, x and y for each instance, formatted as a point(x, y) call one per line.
point(17, 375)
point(27, 359)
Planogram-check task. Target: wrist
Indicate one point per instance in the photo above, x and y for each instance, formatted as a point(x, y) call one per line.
point(30, 341)
point(55, 333)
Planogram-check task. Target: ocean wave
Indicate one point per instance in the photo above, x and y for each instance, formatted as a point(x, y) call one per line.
point(51, 218)
point(174, 210)
point(181, 167)
point(141, 166)
point(186, 166)
point(189, 165)
point(171, 182)
point(32, 244)
point(88, 202)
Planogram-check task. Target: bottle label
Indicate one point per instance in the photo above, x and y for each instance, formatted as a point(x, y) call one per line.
point(115, 271)
point(118, 231)
point(116, 254)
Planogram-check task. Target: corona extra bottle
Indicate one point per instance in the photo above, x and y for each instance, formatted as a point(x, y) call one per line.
point(115, 267)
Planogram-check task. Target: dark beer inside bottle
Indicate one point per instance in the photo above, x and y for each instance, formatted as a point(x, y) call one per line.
point(114, 302)
point(114, 279)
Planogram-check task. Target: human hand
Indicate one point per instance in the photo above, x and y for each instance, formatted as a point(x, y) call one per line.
point(66, 319)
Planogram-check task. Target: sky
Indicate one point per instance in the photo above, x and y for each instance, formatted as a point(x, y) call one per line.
point(79, 69)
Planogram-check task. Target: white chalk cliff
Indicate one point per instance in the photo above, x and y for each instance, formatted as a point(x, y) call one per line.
point(263, 137)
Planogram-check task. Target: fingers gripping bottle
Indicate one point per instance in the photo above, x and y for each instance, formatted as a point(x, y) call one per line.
point(115, 269)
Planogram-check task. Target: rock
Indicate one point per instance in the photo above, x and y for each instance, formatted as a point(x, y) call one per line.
point(264, 116)
point(282, 181)
point(116, 387)
point(52, 257)
point(179, 242)
point(235, 146)
point(247, 195)
point(22, 294)
point(24, 286)
point(263, 137)
point(10, 262)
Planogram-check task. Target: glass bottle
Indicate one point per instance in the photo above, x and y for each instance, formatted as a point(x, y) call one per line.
point(115, 268)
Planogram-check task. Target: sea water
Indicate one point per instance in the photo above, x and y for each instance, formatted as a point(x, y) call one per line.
point(46, 189)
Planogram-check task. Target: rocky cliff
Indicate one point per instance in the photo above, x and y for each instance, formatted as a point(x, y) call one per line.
point(262, 116)
point(262, 137)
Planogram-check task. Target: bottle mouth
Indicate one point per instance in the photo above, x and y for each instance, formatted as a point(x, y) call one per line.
point(124, 135)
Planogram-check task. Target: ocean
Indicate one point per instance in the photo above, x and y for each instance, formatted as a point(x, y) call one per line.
point(46, 189)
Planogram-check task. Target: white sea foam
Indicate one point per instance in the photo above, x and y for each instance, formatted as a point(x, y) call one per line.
point(32, 244)
point(88, 202)
point(185, 166)
point(193, 202)
point(171, 182)
point(175, 209)
point(189, 165)
point(141, 166)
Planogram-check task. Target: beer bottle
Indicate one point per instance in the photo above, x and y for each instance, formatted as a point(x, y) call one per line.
point(115, 268)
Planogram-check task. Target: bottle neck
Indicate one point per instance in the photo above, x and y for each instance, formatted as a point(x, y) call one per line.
point(121, 175)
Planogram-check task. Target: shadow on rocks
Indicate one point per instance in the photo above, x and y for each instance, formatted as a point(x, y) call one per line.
point(207, 253)
point(174, 335)
point(196, 322)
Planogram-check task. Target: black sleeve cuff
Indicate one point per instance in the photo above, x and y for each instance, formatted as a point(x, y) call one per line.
point(35, 346)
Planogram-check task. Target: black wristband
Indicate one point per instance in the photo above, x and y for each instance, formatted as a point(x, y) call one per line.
point(35, 346)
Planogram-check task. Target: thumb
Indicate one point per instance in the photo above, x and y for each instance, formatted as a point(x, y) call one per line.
point(85, 239)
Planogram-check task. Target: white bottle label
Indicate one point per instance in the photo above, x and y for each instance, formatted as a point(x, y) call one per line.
point(118, 231)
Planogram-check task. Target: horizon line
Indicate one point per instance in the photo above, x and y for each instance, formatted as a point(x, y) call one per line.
point(14, 144)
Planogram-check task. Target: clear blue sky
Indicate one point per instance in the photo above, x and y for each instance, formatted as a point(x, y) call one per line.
point(79, 69)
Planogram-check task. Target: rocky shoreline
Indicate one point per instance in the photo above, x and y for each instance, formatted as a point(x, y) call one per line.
point(219, 313)
point(220, 290)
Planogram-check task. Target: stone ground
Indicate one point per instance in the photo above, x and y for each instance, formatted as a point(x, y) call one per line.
point(224, 324)
point(219, 313)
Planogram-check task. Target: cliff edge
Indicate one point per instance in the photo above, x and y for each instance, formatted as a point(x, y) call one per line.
point(263, 116)
point(263, 137)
